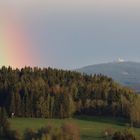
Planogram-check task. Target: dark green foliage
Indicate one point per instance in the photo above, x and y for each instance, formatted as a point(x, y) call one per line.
point(5, 130)
point(66, 132)
point(4, 124)
point(29, 134)
point(52, 93)
point(13, 135)
point(126, 135)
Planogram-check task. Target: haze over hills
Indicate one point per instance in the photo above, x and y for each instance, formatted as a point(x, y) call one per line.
point(124, 72)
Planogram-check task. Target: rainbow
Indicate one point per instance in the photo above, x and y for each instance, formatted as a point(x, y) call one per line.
point(15, 46)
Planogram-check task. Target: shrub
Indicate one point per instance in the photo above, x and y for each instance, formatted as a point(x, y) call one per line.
point(126, 135)
point(108, 133)
point(5, 129)
point(68, 131)
point(29, 134)
point(13, 135)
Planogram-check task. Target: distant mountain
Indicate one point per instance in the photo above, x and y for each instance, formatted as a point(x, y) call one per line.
point(126, 73)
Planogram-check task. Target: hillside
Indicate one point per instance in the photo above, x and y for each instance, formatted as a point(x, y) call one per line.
point(53, 93)
point(126, 73)
point(59, 95)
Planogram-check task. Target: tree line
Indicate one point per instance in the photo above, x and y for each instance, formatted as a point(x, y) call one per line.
point(67, 131)
point(53, 93)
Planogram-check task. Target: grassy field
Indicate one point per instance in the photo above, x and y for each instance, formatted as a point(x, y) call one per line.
point(91, 127)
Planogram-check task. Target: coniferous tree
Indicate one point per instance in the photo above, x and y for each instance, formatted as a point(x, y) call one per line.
point(52, 93)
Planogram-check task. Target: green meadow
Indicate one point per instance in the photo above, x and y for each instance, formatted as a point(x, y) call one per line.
point(91, 128)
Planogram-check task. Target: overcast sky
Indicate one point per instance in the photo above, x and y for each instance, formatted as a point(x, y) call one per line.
point(74, 33)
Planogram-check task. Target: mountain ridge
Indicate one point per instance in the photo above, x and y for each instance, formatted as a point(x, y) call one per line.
point(127, 72)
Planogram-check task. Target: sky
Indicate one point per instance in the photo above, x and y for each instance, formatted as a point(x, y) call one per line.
point(68, 34)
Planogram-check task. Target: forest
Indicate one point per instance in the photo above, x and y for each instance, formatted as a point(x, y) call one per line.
point(52, 93)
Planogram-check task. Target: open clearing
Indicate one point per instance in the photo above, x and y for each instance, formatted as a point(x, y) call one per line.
point(91, 128)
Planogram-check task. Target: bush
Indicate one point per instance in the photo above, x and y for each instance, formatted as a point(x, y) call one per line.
point(29, 134)
point(126, 135)
point(108, 133)
point(5, 129)
point(68, 131)
point(13, 135)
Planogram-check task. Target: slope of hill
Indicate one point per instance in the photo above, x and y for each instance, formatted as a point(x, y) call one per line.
point(126, 73)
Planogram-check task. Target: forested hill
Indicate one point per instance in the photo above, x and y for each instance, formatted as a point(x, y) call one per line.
point(126, 73)
point(52, 93)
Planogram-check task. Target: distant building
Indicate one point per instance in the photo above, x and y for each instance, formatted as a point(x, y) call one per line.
point(121, 60)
